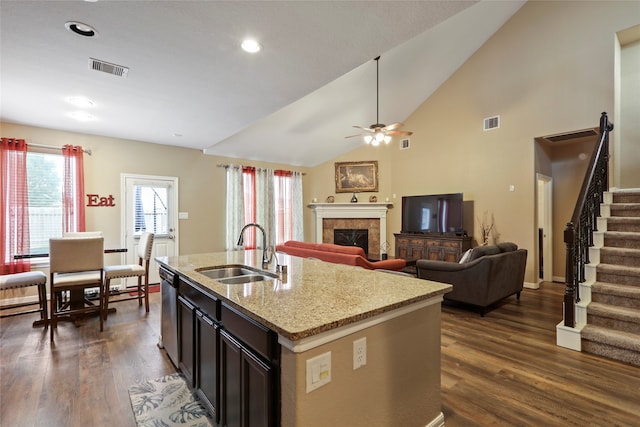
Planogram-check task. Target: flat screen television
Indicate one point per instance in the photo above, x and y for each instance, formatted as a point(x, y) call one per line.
point(435, 213)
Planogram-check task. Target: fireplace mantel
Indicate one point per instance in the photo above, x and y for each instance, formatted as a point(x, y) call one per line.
point(350, 210)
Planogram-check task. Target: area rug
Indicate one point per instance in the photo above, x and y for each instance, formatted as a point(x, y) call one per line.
point(167, 402)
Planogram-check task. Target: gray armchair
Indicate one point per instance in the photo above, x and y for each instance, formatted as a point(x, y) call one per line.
point(490, 274)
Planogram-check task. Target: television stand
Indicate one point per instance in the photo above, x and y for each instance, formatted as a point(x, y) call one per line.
point(440, 247)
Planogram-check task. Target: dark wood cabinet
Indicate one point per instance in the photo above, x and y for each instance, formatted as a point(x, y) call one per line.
point(230, 360)
point(249, 360)
point(436, 247)
point(230, 385)
point(186, 339)
point(207, 362)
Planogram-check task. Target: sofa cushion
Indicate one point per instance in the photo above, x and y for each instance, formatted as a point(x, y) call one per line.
point(507, 247)
point(480, 251)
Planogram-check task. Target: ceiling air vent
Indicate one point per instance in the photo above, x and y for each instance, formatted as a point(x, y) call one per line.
point(106, 67)
point(492, 123)
point(405, 143)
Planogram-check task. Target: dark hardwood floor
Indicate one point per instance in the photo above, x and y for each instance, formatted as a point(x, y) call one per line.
point(501, 370)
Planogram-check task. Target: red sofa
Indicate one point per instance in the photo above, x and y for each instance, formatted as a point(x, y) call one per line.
point(337, 254)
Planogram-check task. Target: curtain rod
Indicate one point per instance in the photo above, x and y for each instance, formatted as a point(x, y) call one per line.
point(222, 165)
point(53, 147)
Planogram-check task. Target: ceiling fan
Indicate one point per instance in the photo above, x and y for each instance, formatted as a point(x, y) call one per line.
point(377, 132)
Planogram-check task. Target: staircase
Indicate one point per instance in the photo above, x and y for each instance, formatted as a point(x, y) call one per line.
point(613, 315)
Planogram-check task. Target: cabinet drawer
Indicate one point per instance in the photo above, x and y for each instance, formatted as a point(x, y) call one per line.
point(208, 304)
point(259, 338)
point(402, 241)
point(451, 244)
point(434, 243)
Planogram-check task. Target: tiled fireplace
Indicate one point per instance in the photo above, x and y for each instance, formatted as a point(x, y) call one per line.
point(352, 216)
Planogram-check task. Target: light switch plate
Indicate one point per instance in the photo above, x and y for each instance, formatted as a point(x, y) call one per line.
point(318, 371)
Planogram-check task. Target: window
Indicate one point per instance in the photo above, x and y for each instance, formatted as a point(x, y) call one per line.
point(151, 212)
point(44, 184)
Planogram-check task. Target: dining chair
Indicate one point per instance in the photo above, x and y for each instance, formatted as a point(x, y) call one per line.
point(24, 280)
point(75, 264)
point(140, 270)
point(81, 234)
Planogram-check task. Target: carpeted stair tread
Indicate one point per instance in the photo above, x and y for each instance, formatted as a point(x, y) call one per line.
point(613, 312)
point(622, 235)
point(630, 252)
point(625, 209)
point(620, 274)
point(626, 196)
point(607, 336)
point(625, 224)
point(616, 289)
point(620, 256)
point(618, 269)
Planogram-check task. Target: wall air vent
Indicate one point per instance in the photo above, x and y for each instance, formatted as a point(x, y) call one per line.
point(405, 143)
point(106, 67)
point(491, 123)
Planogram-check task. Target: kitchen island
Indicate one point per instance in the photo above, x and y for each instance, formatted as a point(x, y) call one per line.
point(295, 336)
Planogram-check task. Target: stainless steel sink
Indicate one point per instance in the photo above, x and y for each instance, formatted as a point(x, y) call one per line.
point(244, 279)
point(236, 274)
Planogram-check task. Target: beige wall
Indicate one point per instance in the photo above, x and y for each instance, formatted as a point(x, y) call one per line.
point(399, 385)
point(547, 70)
point(629, 123)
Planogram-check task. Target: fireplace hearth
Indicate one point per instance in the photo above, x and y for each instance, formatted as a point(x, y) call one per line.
point(352, 237)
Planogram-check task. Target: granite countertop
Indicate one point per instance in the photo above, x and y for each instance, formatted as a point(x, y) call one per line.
point(313, 297)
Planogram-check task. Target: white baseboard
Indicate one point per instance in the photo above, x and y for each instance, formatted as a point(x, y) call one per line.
point(569, 337)
point(530, 285)
point(437, 421)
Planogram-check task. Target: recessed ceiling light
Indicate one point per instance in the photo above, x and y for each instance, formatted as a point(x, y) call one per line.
point(82, 116)
point(80, 29)
point(251, 46)
point(80, 101)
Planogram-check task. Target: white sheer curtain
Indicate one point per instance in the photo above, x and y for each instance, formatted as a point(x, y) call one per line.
point(235, 206)
point(298, 228)
point(278, 205)
point(265, 204)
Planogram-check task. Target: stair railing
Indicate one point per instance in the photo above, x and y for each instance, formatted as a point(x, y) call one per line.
point(578, 235)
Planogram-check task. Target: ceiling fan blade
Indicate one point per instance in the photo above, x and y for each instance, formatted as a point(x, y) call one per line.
point(353, 136)
point(394, 126)
point(399, 133)
point(363, 128)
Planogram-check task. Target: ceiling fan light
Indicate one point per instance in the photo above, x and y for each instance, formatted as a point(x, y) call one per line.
point(375, 142)
point(379, 137)
point(387, 139)
point(368, 139)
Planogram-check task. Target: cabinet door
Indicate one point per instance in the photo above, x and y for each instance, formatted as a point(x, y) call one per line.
point(257, 392)
point(451, 254)
point(434, 252)
point(186, 339)
point(230, 386)
point(207, 367)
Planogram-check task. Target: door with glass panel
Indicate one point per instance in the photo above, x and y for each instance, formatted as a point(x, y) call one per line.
point(150, 204)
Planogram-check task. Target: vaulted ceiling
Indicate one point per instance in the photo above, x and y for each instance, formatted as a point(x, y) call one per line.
point(189, 84)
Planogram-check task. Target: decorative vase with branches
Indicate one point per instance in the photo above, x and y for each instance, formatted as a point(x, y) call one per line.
point(485, 227)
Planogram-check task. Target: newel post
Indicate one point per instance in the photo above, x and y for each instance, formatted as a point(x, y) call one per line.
point(569, 290)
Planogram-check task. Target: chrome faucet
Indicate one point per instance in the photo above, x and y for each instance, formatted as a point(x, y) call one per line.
point(265, 260)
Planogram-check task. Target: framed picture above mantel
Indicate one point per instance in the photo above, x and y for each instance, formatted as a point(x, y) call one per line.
point(357, 177)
